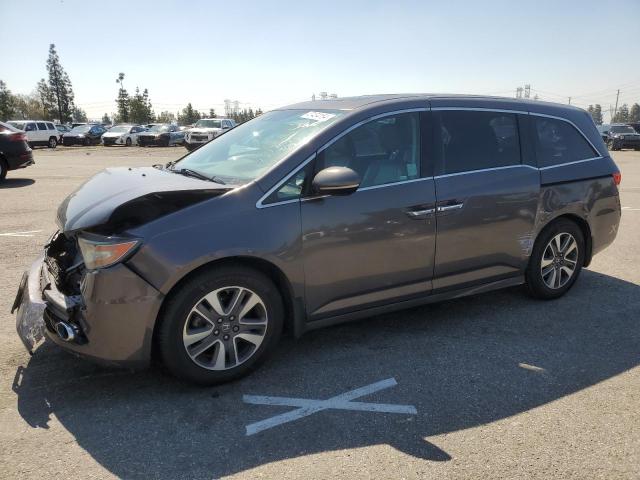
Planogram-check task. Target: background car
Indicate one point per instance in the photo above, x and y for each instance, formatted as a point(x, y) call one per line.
point(122, 135)
point(14, 149)
point(161, 135)
point(62, 129)
point(83, 135)
point(206, 130)
point(636, 126)
point(39, 132)
point(621, 136)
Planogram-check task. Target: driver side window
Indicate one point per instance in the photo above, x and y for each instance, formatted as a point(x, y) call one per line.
point(382, 151)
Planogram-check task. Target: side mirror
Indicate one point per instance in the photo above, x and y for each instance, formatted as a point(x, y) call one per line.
point(336, 181)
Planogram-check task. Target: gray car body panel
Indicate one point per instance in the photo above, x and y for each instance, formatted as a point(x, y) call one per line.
point(345, 257)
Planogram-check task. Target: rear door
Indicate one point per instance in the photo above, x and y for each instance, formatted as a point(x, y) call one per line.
point(43, 132)
point(376, 245)
point(32, 132)
point(487, 196)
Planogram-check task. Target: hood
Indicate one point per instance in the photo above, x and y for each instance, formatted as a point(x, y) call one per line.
point(204, 130)
point(114, 134)
point(120, 198)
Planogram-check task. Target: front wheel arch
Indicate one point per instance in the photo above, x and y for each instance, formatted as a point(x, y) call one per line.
point(293, 313)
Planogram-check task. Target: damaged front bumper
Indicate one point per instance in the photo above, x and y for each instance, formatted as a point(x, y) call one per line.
point(112, 318)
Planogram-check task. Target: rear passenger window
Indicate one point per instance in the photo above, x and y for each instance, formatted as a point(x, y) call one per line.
point(475, 140)
point(557, 141)
point(50, 126)
point(42, 126)
point(31, 127)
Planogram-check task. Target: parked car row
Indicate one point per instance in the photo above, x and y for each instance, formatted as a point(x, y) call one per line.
point(621, 135)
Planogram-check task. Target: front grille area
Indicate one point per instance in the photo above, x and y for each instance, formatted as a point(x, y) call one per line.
point(63, 264)
point(109, 140)
point(199, 138)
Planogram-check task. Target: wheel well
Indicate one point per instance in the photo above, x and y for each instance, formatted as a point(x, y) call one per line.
point(267, 268)
point(586, 233)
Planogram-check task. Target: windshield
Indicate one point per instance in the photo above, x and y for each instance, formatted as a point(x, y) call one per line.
point(622, 129)
point(81, 129)
point(120, 129)
point(159, 128)
point(18, 125)
point(251, 149)
point(208, 124)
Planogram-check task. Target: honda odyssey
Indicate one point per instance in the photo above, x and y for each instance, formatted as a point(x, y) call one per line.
point(318, 213)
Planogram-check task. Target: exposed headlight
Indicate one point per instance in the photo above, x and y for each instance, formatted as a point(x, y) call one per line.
point(80, 135)
point(104, 253)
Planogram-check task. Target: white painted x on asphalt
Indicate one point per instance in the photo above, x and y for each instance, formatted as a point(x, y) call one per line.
point(308, 407)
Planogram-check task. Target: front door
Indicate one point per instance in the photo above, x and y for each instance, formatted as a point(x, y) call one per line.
point(376, 245)
point(487, 197)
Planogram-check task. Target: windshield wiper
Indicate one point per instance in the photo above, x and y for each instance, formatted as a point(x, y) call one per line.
point(195, 174)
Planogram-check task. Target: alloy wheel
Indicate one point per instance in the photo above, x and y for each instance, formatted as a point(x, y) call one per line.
point(225, 328)
point(559, 260)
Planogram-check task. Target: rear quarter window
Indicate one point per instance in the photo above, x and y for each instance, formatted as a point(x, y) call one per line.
point(557, 142)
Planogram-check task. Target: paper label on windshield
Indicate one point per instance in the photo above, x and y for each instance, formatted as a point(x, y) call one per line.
point(318, 116)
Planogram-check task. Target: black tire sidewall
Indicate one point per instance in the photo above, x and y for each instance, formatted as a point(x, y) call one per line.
point(175, 314)
point(128, 142)
point(3, 169)
point(534, 281)
point(53, 142)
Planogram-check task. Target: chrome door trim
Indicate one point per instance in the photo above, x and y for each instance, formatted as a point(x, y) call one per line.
point(479, 109)
point(570, 163)
point(522, 165)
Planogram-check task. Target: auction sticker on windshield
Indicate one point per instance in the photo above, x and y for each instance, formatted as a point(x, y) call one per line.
point(318, 116)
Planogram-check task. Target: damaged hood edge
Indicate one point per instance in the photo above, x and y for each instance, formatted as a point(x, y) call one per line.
point(95, 201)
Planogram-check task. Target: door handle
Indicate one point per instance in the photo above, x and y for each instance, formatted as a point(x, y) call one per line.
point(418, 214)
point(447, 208)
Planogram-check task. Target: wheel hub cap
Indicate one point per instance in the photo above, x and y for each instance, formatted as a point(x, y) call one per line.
point(559, 260)
point(225, 328)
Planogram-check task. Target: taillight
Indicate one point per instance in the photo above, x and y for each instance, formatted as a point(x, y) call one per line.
point(18, 137)
point(617, 178)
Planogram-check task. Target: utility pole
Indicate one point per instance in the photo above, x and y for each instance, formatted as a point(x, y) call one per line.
point(615, 110)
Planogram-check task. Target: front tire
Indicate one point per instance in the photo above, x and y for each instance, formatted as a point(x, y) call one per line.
point(53, 142)
point(128, 142)
point(556, 261)
point(220, 325)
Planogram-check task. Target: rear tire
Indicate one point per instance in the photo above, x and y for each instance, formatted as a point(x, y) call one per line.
point(231, 342)
point(53, 142)
point(556, 261)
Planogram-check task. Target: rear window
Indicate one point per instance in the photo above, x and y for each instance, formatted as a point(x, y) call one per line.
point(557, 142)
point(476, 140)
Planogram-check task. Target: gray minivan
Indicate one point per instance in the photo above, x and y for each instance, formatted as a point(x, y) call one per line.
point(317, 213)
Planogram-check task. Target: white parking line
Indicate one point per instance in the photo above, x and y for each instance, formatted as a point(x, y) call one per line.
point(308, 407)
point(629, 209)
point(20, 234)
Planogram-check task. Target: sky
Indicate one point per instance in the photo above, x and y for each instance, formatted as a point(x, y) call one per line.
point(271, 53)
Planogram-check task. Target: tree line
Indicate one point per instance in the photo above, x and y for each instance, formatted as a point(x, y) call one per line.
point(625, 114)
point(52, 99)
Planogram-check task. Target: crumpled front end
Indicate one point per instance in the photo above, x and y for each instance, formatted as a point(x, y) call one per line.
point(106, 314)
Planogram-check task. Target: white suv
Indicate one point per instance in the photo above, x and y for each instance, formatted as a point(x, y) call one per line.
point(39, 132)
point(205, 130)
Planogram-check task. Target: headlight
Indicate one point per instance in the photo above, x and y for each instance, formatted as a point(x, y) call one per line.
point(104, 253)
